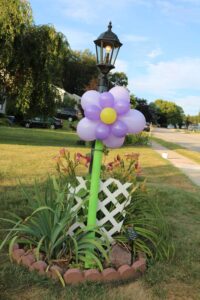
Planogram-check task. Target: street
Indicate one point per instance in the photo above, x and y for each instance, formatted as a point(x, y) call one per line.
point(187, 140)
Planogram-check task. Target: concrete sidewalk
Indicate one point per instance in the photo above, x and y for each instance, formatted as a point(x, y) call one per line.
point(186, 165)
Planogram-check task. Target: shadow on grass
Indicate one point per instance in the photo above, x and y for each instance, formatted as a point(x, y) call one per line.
point(37, 137)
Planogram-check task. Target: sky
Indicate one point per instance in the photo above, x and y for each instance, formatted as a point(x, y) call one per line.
point(161, 41)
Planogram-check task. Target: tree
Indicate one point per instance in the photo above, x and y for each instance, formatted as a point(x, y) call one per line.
point(142, 105)
point(118, 78)
point(92, 85)
point(133, 100)
point(192, 119)
point(150, 111)
point(79, 69)
point(36, 65)
point(15, 18)
point(169, 113)
point(154, 112)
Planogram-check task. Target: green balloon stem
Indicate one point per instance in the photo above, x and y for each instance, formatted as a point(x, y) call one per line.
point(94, 191)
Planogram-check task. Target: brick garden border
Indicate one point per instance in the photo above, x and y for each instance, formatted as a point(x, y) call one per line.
point(75, 276)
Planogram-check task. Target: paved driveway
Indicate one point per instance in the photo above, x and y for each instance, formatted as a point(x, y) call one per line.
point(187, 140)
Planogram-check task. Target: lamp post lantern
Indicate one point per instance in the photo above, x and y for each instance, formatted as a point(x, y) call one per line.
point(107, 48)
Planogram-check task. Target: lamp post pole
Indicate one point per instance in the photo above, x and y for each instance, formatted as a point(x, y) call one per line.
point(107, 48)
point(95, 171)
point(95, 168)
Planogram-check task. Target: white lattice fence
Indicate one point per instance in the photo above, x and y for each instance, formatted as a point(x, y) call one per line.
point(113, 198)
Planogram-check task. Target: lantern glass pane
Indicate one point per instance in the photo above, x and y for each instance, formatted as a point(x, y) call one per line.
point(98, 51)
point(114, 55)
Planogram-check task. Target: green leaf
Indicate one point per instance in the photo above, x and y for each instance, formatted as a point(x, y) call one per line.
point(37, 250)
point(12, 242)
point(82, 193)
point(9, 235)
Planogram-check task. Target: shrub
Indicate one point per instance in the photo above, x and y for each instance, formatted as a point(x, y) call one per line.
point(140, 139)
point(3, 121)
point(81, 143)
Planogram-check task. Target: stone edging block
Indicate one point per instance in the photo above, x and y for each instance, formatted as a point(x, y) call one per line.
point(76, 276)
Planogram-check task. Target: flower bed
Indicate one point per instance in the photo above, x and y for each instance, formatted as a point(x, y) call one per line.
point(54, 237)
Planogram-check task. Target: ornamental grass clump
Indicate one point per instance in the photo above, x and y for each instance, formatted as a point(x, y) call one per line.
point(150, 231)
point(46, 229)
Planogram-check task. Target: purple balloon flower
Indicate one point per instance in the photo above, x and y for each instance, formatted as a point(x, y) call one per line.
point(108, 117)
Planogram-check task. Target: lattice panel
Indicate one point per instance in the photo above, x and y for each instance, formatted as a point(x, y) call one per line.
point(113, 198)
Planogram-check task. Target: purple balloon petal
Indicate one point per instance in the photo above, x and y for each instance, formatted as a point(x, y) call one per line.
point(90, 97)
point(121, 106)
point(86, 129)
point(92, 112)
point(106, 100)
point(102, 131)
point(120, 92)
point(134, 120)
point(119, 129)
point(114, 142)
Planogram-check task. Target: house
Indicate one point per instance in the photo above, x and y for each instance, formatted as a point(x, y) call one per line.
point(63, 93)
point(2, 107)
point(2, 102)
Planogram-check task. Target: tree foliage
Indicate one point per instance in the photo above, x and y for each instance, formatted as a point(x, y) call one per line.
point(133, 100)
point(169, 113)
point(150, 111)
point(15, 19)
point(192, 119)
point(118, 78)
point(36, 67)
point(79, 69)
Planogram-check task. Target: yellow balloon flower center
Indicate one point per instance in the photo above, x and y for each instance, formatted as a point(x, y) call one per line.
point(108, 115)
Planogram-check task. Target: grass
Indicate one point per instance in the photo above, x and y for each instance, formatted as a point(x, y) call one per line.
point(178, 199)
point(37, 137)
point(180, 149)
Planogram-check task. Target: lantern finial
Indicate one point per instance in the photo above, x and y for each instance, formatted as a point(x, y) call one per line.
point(110, 26)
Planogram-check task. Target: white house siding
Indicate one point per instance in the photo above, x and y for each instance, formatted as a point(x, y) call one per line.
point(3, 107)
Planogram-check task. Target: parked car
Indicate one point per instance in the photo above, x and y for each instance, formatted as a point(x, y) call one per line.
point(147, 127)
point(43, 122)
point(69, 114)
point(11, 120)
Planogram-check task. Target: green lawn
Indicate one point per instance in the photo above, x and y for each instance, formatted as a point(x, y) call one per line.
point(178, 199)
point(37, 137)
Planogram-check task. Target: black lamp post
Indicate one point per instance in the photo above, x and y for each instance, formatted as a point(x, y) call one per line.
point(107, 48)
